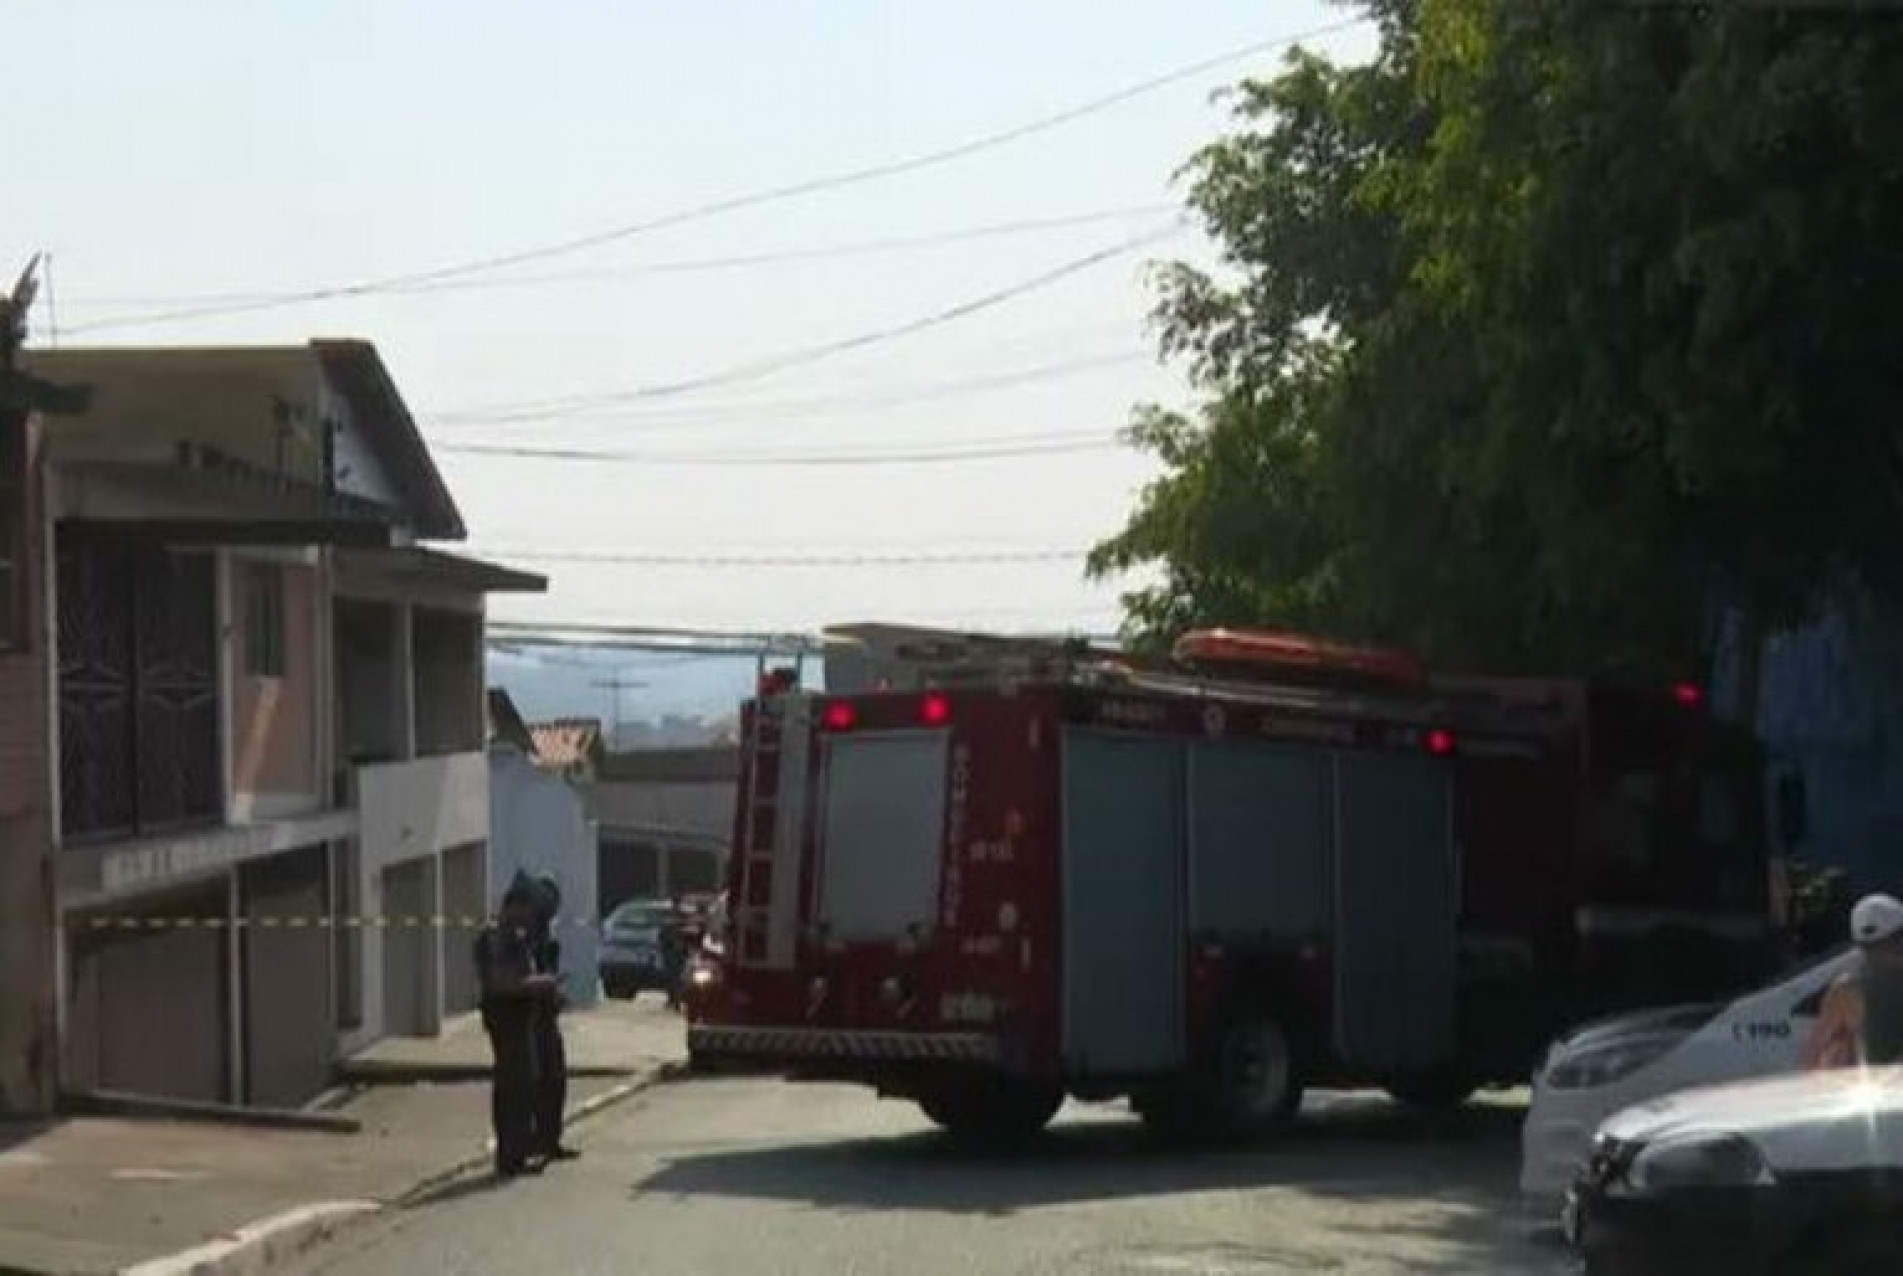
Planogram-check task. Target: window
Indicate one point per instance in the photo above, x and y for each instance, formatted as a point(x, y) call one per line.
point(264, 620)
point(13, 627)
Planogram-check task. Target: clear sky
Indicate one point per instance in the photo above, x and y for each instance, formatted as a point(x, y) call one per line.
point(167, 153)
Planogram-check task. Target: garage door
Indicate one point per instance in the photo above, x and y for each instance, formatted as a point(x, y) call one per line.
point(289, 1043)
point(146, 1008)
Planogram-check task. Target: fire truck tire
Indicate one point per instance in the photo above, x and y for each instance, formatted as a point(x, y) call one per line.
point(1247, 1085)
point(992, 1111)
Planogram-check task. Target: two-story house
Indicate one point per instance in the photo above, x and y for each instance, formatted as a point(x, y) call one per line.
point(266, 815)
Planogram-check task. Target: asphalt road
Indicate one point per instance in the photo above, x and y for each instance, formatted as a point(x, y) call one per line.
point(742, 1176)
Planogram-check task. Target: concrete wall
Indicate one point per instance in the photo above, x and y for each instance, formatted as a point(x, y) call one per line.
point(409, 814)
point(258, 404)
point(423, 807)
point(538, 824)
point(705, 808)
point(23, 673)
point(274, 721)
point(28, 1048)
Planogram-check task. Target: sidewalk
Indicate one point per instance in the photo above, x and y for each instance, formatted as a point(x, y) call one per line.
point(100, 1194)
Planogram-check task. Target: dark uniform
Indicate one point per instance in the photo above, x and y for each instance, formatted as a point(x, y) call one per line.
point(673, 959)
point(551, 1056)
point(505, 956)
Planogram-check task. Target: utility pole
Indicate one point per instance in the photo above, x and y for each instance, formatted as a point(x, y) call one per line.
point(617, 685)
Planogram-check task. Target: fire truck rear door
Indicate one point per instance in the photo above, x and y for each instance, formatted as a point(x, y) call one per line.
point(1123, 933)
point(1396, 911)
point(883, 826)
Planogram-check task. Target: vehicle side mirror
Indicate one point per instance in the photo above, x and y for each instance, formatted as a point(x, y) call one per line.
point(1793, 813)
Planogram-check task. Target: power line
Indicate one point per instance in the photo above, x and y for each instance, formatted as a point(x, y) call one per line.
point(714, 640)
point(805, 355)
point(699, 415)
point(1097, 441)
point(958, 558)
point(695, 265)
point(752, 199)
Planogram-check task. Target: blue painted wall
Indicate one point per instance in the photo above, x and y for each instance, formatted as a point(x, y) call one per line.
point(1830, 709)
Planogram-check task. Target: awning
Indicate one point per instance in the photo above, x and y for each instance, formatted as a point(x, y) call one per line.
point(414, 564)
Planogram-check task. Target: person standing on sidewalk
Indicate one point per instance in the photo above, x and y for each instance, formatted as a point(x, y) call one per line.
point(551, 1054)
point(514, 989)
point(1861, 1019)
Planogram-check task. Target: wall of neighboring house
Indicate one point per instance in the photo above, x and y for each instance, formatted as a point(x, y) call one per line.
point(276, 687)
point(28, 1048)
point(1830, 718)
point(538, 824)
point(665, 818)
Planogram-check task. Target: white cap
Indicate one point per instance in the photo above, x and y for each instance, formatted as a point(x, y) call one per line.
point(1876, 918)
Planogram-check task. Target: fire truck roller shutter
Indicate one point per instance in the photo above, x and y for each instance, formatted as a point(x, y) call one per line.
point(884, 823)
point(1259, 853)
point(1122, 898)
point(1396, 912)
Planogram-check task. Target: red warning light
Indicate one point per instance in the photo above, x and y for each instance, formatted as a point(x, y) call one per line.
point(935, 710)
point(1440, 742)
point(839, 716)
point(1689, 694)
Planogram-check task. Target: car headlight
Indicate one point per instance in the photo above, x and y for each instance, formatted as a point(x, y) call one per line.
point(1722, 1160)
point(1608, 1063)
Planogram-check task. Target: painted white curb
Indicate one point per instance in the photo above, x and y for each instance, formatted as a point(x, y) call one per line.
point(256, 1247)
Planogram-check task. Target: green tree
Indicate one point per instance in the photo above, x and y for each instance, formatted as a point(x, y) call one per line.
point(1537, 334)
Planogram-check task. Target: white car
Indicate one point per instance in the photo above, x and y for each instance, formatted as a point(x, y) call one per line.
point(1798, 1175)
point(1606, 1066)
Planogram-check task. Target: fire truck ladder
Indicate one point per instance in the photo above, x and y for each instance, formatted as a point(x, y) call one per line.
point(751, 911)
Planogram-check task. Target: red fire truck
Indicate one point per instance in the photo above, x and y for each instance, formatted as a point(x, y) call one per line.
point(984, 875)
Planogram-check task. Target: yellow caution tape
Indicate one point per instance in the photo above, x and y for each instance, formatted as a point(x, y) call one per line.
point(320, 921)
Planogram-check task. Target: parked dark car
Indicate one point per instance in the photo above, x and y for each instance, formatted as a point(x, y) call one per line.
point(632, 961)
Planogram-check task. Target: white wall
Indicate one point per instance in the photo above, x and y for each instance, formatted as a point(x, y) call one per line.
point(409, 811)
point(537, 824)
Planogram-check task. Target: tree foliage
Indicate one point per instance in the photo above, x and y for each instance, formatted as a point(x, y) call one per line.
point(1538, 334)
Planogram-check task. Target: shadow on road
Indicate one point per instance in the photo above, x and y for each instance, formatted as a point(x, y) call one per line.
point(1460, 1166)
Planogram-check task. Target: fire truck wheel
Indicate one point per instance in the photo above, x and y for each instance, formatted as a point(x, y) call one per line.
point(1247, 1085)
point(992, 1111)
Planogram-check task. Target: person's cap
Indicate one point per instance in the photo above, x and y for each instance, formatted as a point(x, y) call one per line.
point(1876, 918)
